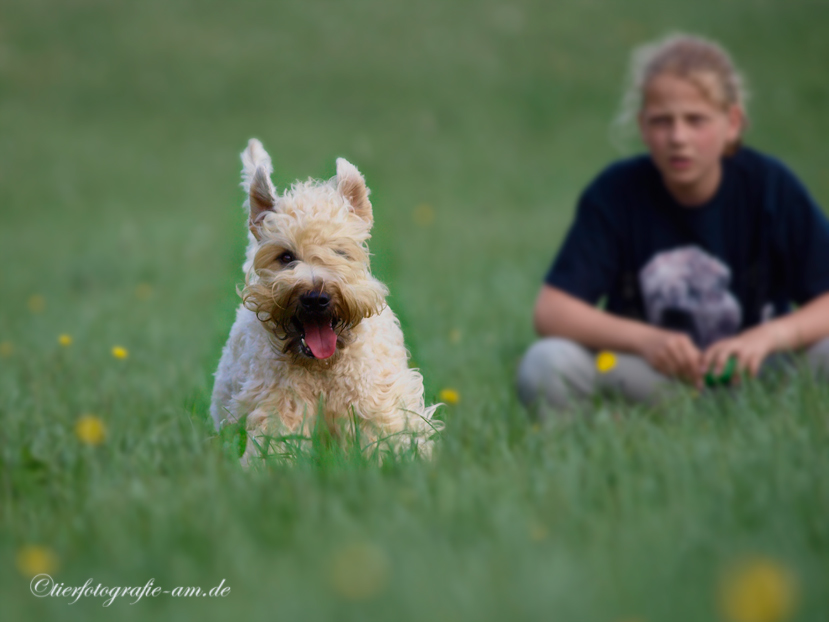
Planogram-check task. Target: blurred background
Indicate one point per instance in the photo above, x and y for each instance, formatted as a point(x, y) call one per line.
point(476, 125)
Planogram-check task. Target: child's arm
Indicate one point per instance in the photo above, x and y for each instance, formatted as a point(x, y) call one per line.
point(558, 314)
point(799, 329)
point(800, 233)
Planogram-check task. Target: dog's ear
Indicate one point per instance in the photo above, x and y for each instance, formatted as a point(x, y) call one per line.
point(352, 186)
point(262, 197)
point(256, 180)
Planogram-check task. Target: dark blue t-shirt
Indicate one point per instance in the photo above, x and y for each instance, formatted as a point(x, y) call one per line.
point(712, 270)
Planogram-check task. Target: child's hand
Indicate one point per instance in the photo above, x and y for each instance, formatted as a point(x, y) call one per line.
point(750, 349)
point(673, 354)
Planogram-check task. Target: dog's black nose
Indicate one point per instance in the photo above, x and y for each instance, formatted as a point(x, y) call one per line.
point(314, 301)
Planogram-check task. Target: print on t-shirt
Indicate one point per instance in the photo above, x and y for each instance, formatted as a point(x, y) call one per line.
point(686, 289)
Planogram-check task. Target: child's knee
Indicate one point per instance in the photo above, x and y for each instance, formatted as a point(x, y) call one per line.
point(555, 370)
point(818, 358)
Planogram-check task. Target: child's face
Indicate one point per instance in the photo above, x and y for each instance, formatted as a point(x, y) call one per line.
point(686, 135)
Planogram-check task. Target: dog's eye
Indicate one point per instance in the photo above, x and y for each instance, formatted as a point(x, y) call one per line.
point(342, 253)
point(286, 258)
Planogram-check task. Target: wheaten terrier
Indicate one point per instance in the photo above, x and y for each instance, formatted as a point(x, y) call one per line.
point(314, 336)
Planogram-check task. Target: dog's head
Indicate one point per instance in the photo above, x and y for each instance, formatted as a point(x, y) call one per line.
point(307, 274)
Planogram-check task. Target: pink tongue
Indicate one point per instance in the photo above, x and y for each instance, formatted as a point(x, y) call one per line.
point(321, 338)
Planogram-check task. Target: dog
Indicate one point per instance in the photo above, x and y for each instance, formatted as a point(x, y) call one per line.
point(313, 336)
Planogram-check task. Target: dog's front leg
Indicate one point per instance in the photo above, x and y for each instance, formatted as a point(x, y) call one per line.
point(259, 436)
point(269, 433)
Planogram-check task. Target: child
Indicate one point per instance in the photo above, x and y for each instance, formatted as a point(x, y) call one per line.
point(698, 248)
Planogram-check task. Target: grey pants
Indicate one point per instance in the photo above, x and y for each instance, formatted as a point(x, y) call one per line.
point(557, 372)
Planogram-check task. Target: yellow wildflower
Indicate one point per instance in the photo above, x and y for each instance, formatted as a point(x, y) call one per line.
point(359, 571)
point(537, 531)
point(6, 349)
point(450, 396)
point(119, 352)
point(37, 303)
point(454, 336)
point(90, 430)
point(143, 291)
point(65, 340)
point(424, 215)
point(605, 361)
point(33, 560)
point(758, 590)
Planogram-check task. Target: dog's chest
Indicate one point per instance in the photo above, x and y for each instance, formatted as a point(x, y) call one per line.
point(345, 383)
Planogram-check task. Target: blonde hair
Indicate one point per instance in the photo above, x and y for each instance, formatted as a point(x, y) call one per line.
point(701, 61)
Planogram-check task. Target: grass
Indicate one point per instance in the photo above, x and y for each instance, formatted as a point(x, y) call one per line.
point(120, 128)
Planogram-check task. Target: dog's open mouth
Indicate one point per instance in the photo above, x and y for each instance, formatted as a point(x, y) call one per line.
point(317, 337)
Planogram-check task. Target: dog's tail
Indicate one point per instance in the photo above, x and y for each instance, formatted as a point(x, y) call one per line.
point(254, 158)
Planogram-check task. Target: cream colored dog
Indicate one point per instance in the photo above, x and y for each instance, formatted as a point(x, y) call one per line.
point(314, 333)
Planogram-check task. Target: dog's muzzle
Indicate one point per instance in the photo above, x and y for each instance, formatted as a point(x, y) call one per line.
point(318, 339)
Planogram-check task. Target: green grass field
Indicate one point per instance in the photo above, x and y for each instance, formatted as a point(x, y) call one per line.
point(120, 225)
